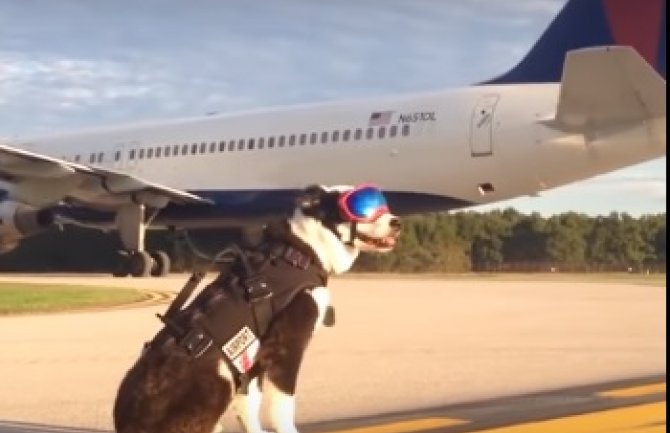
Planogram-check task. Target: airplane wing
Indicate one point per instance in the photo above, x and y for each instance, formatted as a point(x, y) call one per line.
point(39, 180)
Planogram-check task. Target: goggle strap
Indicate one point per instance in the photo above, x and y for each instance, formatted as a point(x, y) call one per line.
point(352, 232)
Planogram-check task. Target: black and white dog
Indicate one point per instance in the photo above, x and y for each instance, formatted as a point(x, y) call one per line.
point(170, 390)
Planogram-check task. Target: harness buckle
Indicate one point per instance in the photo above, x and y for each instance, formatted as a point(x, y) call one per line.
point(257, 289)
point(196, 342)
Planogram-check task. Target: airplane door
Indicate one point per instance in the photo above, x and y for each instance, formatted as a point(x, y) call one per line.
point(481, 126)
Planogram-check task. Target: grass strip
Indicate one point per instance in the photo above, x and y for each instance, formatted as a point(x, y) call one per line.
point(22, 298)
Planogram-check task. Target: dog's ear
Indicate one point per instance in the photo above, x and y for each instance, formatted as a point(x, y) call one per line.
point(310, 199)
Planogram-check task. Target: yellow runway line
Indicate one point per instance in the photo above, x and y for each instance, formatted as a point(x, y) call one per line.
point(634, 391)
point(406, 426)
point(646, 418)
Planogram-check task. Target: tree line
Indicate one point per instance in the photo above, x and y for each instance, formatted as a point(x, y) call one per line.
point(500, 240)
point(511, 241)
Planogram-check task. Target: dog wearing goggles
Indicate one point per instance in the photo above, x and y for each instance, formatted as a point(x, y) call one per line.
point(167, 391)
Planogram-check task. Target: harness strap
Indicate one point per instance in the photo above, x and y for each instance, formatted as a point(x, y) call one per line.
point(178, 302)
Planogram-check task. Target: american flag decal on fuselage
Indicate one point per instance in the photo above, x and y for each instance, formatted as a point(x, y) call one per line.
point(380, 118)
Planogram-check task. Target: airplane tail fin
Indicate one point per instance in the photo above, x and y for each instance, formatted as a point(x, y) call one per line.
point(592, 23)
point(608, 84)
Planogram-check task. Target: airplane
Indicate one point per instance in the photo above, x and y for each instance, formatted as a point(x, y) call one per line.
point(588, 98)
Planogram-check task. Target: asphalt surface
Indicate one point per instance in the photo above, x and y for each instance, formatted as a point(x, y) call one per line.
point(400, 349)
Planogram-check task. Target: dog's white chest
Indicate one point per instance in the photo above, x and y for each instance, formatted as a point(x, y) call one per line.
point(321, 296)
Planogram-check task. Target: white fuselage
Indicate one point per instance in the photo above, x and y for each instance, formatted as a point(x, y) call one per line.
point(473, 145)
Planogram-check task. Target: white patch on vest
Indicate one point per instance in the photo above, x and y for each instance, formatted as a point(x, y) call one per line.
point(242, 349)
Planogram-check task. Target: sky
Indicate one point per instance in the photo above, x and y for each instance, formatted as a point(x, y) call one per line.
point(66, 64)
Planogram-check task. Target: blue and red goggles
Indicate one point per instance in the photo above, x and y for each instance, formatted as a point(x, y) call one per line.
point(363, 204)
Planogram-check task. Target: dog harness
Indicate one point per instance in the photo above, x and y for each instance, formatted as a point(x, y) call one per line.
point(233, 313)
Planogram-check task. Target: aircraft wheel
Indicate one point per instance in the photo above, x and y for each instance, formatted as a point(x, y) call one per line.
point(140, 264)
point(161, 264)
point(121, 269)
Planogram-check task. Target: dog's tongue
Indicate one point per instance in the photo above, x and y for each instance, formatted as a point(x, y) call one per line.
point(390, 241)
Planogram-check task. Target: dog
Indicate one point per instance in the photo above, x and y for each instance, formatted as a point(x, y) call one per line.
point(181, 385)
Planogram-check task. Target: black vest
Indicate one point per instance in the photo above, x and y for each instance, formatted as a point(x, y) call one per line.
point(233, 313)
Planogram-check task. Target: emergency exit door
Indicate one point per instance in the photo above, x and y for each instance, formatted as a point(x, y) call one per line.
point(481, 126)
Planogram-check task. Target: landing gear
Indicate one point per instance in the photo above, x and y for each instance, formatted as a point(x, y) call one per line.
point(142, 264)
point(161, 264)
point(134, 260)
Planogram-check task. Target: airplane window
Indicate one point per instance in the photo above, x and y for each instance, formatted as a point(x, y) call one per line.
point(203, 147)
point(324, 137)
point(150, 152)
point(184, 149)
point(141, 154)
point(393, 130)
point(251, 144)
point(131, 155)
point(167, 151)
point(346, 134)
point(271, 142)
point(158, 152)
point(282, 139)
point(175, 150)
point(291, 140)
point(91, 158)
point(336, 136)
point(261, 142)
point(369, 133)
point(381, 133)
point(117, 155)
point(212, 147)
point(313, 137)
point(222, 146)
point(77, 158)
point(194, 148)
point(303, 139)
point(101, 156)
point(240, 144)
point(231, 145)
point(358, 134)
point(405, 130)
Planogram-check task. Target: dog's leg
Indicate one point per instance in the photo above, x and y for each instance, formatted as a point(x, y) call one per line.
point(288, 340)
point(282, 408)
point(248, 408)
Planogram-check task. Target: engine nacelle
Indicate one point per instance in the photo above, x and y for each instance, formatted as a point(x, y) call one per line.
point(18, 221)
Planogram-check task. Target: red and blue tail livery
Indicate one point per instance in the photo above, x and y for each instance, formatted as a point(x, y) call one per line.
point(589, 23)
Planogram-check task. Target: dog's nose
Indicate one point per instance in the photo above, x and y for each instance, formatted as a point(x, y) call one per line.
point(395, 224)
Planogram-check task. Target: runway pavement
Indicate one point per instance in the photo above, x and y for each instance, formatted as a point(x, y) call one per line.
point(399, 346)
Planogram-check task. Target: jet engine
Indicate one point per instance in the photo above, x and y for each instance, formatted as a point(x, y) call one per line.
point(18, 221)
